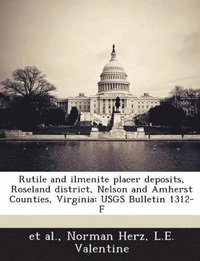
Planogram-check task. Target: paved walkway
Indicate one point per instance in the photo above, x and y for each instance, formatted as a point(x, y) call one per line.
point(88, 138)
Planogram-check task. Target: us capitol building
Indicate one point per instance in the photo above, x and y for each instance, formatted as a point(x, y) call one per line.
point(113, 83)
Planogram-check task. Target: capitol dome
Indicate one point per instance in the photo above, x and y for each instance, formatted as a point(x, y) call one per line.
point(113, 78)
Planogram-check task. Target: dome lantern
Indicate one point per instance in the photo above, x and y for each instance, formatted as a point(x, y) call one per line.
point(113, 54)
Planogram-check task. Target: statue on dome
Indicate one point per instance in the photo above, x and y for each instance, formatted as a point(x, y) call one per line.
point(117, 104)
point(113, 48)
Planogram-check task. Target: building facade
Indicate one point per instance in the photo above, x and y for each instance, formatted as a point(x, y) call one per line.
point(113, 83)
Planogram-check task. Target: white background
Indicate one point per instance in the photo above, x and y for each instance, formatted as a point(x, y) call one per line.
point(7, 179)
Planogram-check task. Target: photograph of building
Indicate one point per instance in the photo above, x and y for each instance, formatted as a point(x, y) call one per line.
point(92, 85)
point(113, 83)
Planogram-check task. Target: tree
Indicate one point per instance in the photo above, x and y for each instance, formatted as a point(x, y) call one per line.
point(188, 99)
point(166, 115)
point(31, 98)
point(178, 91)
point(55, 116)
point(29, 83)
point(73, 116)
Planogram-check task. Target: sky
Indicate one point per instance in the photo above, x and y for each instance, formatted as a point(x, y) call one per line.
point(70, 41)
